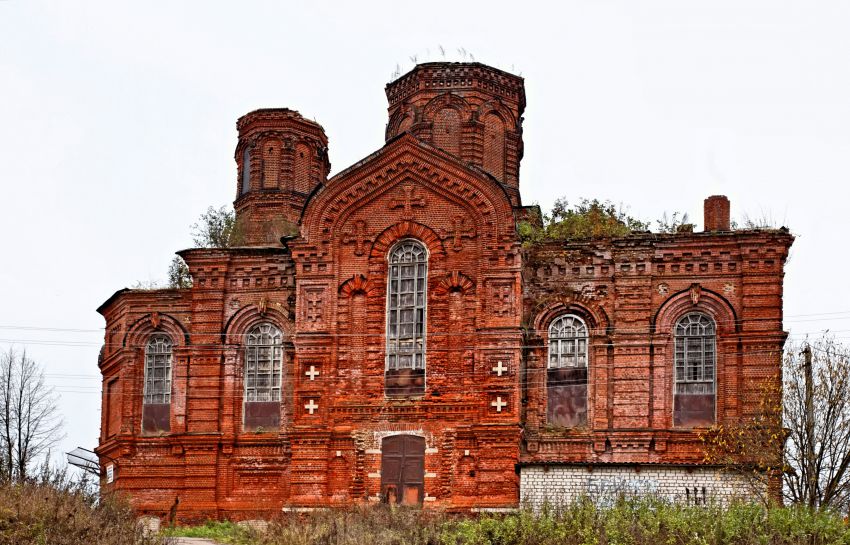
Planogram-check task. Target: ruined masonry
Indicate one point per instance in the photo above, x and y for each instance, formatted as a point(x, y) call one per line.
point(384, 335)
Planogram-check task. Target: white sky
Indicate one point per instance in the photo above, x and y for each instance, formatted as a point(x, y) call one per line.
point(117, 129)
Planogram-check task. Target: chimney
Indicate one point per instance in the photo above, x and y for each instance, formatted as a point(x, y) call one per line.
point(716, 213)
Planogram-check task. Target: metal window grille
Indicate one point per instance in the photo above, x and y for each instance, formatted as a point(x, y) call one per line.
point(263, 363)
point(406, 306)
point(695, 354)
point(158, 370)
point(567, 342)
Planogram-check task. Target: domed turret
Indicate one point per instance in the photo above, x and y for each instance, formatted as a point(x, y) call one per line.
point(281, 157)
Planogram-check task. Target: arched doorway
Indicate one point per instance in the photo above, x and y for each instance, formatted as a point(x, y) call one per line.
point(403, 469)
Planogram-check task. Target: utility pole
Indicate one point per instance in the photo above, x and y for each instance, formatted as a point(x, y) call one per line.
point(811, 477)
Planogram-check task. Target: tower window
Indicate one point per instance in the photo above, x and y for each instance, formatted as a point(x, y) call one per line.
point(246, 169)
point(158, 370)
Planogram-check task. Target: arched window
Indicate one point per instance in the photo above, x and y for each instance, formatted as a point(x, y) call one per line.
point(156, 409)
point(566, 377)
point(246, 169)
point(406, 309)
point(263, 363)
point(695, 364)
point(568, 342)
point(263, 377)
point(158, 369)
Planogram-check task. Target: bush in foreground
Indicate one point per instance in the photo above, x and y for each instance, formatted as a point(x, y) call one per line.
point(56, 511)
point(626, 522)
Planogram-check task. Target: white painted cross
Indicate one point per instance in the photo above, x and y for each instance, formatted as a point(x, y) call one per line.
point(311, 406)
point(499, 368)
point(499, 404)
point(312, 373)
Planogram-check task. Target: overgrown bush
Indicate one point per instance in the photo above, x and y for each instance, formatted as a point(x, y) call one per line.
point(55, 510)
point(586, 219)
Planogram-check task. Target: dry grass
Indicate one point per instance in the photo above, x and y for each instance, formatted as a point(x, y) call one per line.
point(56, 511)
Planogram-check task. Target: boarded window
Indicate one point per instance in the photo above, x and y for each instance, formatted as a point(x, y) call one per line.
point(246, 169)
point(695, 364)
point(113, 407)
point(263, 374)
point(406, 309)
point(156, 410)
point(447, 130)
point(403, 469)
point(271, 164)
point(566, 376)
point(494, 146)
point(302, 168)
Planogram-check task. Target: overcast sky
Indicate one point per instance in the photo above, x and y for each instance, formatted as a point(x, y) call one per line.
point(117, 129)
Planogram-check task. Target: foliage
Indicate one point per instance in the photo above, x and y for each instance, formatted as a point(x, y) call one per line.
point(818, 448)
point(57, 510)
point(178, 274)
point(812, 424)
point(676, 223)
point(30, 423)
point(587, 219)
point(638, 522)
point(218, 228)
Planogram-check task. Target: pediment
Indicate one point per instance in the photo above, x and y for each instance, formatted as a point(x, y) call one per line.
point(407, 180)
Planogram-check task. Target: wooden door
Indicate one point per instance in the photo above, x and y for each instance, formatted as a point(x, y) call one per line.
point(403, 469)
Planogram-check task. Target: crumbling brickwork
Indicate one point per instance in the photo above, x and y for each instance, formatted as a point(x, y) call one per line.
point(383, 335)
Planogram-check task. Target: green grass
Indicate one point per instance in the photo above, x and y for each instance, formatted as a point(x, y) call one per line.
point(627, 522)
point(222, 532)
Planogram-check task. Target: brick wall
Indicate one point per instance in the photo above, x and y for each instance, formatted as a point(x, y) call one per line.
point(561, 485)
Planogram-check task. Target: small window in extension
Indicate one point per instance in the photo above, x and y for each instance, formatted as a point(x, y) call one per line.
point(406, 308)
point(566, 377)
point(695, 364)
point(156, 410)
point(263, 374)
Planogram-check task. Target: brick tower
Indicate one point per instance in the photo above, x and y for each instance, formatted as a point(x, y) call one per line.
point(281, 157)
point(470, 110)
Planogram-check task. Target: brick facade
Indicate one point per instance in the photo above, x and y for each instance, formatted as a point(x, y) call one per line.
point(315, 267)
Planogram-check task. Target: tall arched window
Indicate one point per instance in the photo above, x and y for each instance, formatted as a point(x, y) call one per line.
point(263, 376)
point(246, 169)
point(695, 364)
point(406, 309)
point(566, 376)
point(156, 410)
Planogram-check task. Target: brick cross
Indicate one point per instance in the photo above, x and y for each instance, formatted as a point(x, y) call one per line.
point(410, 201)
point(502, 299)
point(459, 232)
point(357, 235)
point(499, 404)
point(311, 406)
point(312, 373)
point(499, 368)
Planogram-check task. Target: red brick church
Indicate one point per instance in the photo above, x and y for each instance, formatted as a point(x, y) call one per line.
point(384, 336)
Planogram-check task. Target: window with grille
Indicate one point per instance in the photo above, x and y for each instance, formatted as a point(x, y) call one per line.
point(263, 363)
point(406, 306)
point(158, 370)
point(695, 354)
point(567, 342)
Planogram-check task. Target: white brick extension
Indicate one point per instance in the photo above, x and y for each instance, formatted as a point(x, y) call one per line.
point(562, 485)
